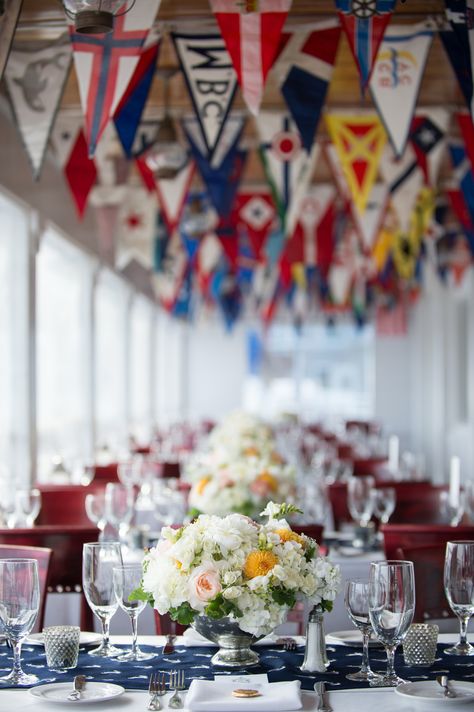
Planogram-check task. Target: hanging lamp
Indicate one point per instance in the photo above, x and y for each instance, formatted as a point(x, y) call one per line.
point(95, 17)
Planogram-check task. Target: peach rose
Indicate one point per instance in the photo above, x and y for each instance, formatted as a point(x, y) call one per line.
point(204, 585)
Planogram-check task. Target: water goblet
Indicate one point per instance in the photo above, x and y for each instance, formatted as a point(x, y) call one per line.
point(384, 503)
point(126, 580)
point(98, 562)
point(391, 609)
point(356, 599)
point(95, 510)
point(359, 498)
point(119, 502)
point(459, 589)
point(24, 508)
point(19, 605)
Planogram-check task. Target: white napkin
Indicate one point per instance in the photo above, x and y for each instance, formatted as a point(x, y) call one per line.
point(192, 637)
point(209, 696)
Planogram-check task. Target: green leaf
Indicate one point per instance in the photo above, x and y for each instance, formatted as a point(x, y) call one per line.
point(193, 513)
point(283, 597)
point(310, 552)
point(183, 614)
point(246, 508)
point(220, 607)
point(326, 606)
point(140, 595)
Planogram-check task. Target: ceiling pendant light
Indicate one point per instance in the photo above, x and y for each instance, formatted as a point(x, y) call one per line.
point(96, 17)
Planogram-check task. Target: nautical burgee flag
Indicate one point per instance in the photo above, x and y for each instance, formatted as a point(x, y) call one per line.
point(458, 41)
point(304, 70)
point(256, 214)
point(404, 180)
point(252, 31)
point(428, 139)
point(396, 78)
point(136, 227)
point(8, 22)
point(105, 65)
point(369, 222)
point(35, 81)
point(359, 140)
point(467, 131)
point(210, 78)
point(364, 22)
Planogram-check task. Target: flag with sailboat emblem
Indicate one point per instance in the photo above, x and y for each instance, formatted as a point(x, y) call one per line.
point(458, 41)
point(304, 69)
point(364, 23)
point(8, 23)
point(211, 81)
point(105, 65)
point(35, 81)
point(251, 30)
point(396, 77)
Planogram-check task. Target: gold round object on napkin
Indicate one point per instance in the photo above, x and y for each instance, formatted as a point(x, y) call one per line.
point(246, 693)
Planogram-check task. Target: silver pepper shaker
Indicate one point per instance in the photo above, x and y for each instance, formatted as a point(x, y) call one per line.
point(315, 658)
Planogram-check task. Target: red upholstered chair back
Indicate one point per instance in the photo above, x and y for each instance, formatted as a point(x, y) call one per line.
point(428, 562)
point(106, 473)
point(315, 531)
point(369, 466)
point(65, 504)
point(165, 626)
point(43, 556)
point(403, 536)
point(65, 574)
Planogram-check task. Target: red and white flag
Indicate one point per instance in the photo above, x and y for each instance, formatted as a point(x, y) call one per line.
point(251, 30)
point(256, 214)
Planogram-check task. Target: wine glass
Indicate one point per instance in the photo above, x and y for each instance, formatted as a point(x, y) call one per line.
point(25, 508)
point(95, 510)
point(98, 562)
point(384, 503)
point(119, 501)
point(391, 609)
point(459, 589)
point(356, 599)
point(127, 579)
point(359, 498)
point(19, 605)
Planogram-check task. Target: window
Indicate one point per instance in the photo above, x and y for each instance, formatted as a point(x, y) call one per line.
point(63, 294)
point(14, 326)
point(140, 383)
point(111, 305)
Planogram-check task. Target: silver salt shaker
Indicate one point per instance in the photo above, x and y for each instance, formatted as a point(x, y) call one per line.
point(315, 658)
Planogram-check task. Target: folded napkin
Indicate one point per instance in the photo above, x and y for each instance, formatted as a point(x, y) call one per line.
point(212, 696)
point(192, 637)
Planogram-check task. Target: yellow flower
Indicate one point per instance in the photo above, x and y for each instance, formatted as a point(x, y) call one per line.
point(178, 563)
point(251, 451)
point(202, 484)
point(271, 482)
point(288, 535)
point(259, 563)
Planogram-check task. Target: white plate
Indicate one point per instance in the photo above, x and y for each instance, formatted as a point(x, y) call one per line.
point(428, 691)
point(349, 637)
point(85, 638)
point(93, 692)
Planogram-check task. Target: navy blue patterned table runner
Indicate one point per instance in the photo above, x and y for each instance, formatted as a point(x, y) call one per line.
point(278, 664)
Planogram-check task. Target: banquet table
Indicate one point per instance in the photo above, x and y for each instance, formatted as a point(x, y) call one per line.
point(359, 698)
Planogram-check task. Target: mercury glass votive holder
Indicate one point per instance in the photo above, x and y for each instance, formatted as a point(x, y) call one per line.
point(419, 646)
point(61, 643)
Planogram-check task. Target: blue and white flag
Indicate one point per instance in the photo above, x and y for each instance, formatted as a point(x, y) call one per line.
point(458, 42)
point(211, 81)
point(396, 78)
point(304, 69)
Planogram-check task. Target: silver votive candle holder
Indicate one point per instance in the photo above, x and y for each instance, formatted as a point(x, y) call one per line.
point(419, 646)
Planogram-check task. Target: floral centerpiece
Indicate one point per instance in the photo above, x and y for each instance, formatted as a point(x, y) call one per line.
point(234, 570)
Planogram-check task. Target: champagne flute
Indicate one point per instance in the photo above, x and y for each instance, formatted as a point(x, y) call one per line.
point(391, 609)
point(19, 605)
point(459, 589)
point(356, 600)
point(384, 503)
point(127, 579)
point(98, 562)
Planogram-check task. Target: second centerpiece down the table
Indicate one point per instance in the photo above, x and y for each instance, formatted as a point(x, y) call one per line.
point(235, 579)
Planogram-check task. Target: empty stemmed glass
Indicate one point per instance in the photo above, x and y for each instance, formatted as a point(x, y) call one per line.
point(127, 579)
point(360, 498)
point(391, 609)
point(459, 589)
point(95, 510)
point(356, 599)
point(98, 562)
point(384, 503)
point(19, 604)
point(119, 502)
point(24, 508)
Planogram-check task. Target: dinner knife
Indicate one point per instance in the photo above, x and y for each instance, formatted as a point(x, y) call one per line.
point(323, 702)
point(168, 647)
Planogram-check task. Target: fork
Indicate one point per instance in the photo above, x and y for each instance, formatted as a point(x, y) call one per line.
point(156, 689)
point(289, 644)
point(176, 683)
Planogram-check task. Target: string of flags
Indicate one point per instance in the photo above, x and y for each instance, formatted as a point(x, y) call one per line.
point(181, 212)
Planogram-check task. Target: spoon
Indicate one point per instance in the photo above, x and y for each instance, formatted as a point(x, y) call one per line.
point(79, 684)
point(443, 681)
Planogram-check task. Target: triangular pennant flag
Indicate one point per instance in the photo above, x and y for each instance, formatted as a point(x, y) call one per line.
point(129, 112)
point(288, 168)
point(369, 222)
point(467, 131)
point(252, 32)
point(404, 180)
point(396, 78)
point(458, 43)
point(168, 281)
point(314, 211)
point(256, 214)
point(304, 70)
point(221, 173)
point(359, 140)
point(210, 251)
point(105, 65)
point(364, 22)
point(462, 197)
point(8, 23)
point(71, 150)
point(211, 81)
point(35, 81)
point(136, 228)
point(427, 137)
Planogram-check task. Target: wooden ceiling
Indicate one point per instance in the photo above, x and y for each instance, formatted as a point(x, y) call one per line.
point(44, 19)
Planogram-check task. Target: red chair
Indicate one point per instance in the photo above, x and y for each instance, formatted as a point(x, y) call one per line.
point(315, 531)
point(369, 427)
point(375, 466)
point(43, 556)
point(65, 575)
point(404, 536)
point(106, 473)
point(65, 504)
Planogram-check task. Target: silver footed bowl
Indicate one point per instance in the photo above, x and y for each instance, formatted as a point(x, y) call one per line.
point(234, 643)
